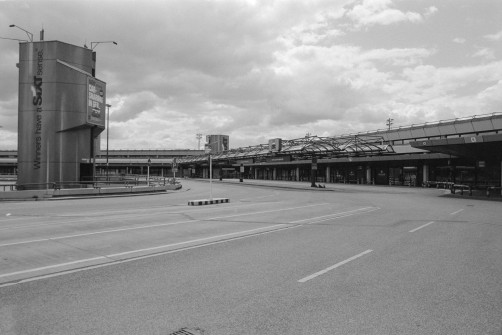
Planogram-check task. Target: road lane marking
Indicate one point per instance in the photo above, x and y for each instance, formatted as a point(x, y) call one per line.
point(227, 237)
point(151, 226)
point(317, 274)
point(265, 212)
point(111, 216)
point(191, 241)
point(258, 197)
point(457, 211)
point(95, 233)
point(422, 226)
point(112, 261)
point(51, 266)
point(337, 215)
point(24, 242)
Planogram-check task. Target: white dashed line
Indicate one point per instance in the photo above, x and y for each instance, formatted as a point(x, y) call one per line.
point(312, 276)
point(422, 226)
point(457, 212)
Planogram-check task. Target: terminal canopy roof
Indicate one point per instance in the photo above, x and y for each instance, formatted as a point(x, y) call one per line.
point(305, 148)
point(478, 147)
point(335, 146)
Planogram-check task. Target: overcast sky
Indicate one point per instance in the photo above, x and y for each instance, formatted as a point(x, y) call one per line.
point(256, 70)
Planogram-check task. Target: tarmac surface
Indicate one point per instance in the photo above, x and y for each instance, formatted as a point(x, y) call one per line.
point(281, 259)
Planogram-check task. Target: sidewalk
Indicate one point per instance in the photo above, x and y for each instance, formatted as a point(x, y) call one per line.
point(325, 187)
point(52, 194)
point(336, 187)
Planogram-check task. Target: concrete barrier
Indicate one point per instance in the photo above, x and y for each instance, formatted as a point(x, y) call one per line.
point(208, 201)
point(27, 195)
point(75, 192)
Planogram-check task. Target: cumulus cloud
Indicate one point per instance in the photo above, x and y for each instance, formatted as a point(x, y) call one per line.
point(491, 98)
point(380, 12)
point(431, 10)
point(494, 37)
point(485, 53)
point(262, 69)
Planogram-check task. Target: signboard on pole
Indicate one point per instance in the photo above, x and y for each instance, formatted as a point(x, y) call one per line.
point(96, 98)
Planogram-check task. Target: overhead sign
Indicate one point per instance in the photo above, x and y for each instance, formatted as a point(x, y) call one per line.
point(279, 159)
point(207, 148)
point(314, 163)
point(275, 145)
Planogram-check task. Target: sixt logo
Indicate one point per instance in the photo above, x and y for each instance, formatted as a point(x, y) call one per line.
point(37, 90)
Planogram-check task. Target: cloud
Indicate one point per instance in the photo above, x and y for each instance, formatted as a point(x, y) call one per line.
point(431, 11)
point(133, 105)
point(379, 12)
point(485, 53)
point(491, 98)
point(261, 69)
point(398, 56)
point(494, 37)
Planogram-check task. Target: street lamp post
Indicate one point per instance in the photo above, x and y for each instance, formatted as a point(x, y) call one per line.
point(94, 44)
point(13, 39)
point(148, 172)
point(210, 177)
point(208, 150)
point(107, 138)
point(30, 35)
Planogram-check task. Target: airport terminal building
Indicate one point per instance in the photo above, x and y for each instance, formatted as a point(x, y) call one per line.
point(464, 151)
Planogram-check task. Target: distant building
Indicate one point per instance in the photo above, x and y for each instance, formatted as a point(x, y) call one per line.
point(120, 162)
point(464, 150)
point(217, 143)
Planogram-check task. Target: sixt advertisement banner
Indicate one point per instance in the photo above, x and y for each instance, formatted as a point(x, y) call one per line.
point(96, 102)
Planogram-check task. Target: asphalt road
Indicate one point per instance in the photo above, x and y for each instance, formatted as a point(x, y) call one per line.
point(275, 260)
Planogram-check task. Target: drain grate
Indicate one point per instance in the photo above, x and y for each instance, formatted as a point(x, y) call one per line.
point(187, 331)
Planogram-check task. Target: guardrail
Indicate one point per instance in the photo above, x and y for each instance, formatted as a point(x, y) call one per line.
point(98, 182)
point(11, 187)
point(489, 190)
point(492, 188)
point(461, 188)
point(439, 184)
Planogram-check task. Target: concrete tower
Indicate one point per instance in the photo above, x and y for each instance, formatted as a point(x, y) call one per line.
point(60, 115)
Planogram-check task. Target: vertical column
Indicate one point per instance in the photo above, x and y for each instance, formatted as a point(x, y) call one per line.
point(274, 174)
point(368, 174)
point(256, 173)
point(425, 174)
point(328, 173)
point(313, 172)
point(297, 177)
